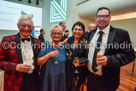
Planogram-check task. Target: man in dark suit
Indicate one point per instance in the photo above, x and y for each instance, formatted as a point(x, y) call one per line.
point(40, 37)
point(63, 26)
point(91, 27)
point(66, 34)
point(18, 54)
point(116, 48)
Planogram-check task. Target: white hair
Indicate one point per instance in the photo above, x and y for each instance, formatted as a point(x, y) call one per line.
point(91, 24)
point(27, 16)
point(56, 26)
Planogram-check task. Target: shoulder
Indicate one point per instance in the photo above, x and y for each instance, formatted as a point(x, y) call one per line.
point(119, 30)
point(70, 39)
point(9, 38)
point(37, 40)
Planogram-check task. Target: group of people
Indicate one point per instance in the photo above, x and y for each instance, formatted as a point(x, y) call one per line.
point(65, 66)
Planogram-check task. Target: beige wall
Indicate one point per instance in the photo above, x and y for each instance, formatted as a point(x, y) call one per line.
point(76, 17)
point(129, 25)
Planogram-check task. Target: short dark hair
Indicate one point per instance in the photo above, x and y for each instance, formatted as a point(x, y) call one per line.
point(79, 24)
point(61, 23)
point(66, 31)
point(41, 30)
point(101, 8)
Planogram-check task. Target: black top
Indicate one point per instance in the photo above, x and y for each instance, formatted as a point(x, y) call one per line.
point(71, 77)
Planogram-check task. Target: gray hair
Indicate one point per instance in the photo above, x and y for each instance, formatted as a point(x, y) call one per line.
point(56, 26)
point(91, 24)
point(27, 16)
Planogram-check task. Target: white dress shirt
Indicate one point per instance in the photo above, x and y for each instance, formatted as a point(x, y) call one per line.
point(92, 46)
point(27, 54)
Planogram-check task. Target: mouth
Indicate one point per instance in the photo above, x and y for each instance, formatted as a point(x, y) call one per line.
point(27, 31)
point(76, 34)
point(102, 22)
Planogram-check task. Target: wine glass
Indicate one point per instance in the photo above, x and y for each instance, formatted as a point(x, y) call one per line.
point(56, 61)
point(76, 59)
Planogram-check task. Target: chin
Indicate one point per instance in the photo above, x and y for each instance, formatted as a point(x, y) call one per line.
point(56, 40)
point(26, 35)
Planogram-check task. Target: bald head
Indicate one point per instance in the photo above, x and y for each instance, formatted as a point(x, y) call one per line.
point(91, 26)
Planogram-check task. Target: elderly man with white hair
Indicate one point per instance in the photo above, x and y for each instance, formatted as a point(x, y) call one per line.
point(18, 54)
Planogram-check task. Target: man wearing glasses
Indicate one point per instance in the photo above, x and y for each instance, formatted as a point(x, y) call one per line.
point(18, 54)
point(105, 40)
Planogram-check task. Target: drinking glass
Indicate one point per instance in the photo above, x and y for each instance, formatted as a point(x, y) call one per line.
point(76, 59)
point(99, 55)
point(56, 61)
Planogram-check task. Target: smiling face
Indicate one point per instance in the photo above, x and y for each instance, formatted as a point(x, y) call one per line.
point(103, 18)
point(56, 35)
point(25, 27)
point(77, 31)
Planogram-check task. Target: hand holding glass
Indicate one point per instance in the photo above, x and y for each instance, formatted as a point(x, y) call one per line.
point(76, 61)
point(29, 62)
point(56, 61)
point(99, 55)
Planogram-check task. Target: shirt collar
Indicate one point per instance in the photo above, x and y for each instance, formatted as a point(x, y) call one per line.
point(105, 30)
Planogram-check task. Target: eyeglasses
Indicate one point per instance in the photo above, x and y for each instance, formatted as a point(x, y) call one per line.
point(104, 16)
point(24, 26)
point(56, 34)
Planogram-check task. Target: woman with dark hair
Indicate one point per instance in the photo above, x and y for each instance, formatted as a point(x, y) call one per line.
point(76, 58)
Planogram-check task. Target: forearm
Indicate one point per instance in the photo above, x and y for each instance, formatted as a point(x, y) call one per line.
point(43, 60)
point(120, 59)
point(9, 67)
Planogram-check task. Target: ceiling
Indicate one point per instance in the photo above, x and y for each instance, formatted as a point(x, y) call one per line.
point(88, 9)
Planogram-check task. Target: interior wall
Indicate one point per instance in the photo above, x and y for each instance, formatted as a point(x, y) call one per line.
point(25, 2)
point(76, 17)
point(129, 25)
point(46, 18)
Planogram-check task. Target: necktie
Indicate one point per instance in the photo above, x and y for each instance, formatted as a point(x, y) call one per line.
point(97, 48)
point(23, 39)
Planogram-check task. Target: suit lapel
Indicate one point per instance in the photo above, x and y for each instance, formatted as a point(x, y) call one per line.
point(33, 47)
point(91, 36)
point(110, 38)
point(18, 48)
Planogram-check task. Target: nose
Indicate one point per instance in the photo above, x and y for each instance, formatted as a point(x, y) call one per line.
point(102, 18)
point(26, 27)
point(77, 30)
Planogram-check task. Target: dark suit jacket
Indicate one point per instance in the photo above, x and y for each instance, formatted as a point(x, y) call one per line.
point(116, 57)
point(86, 34)
point(40, 37)
point(10, 56)
point(65, 36)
